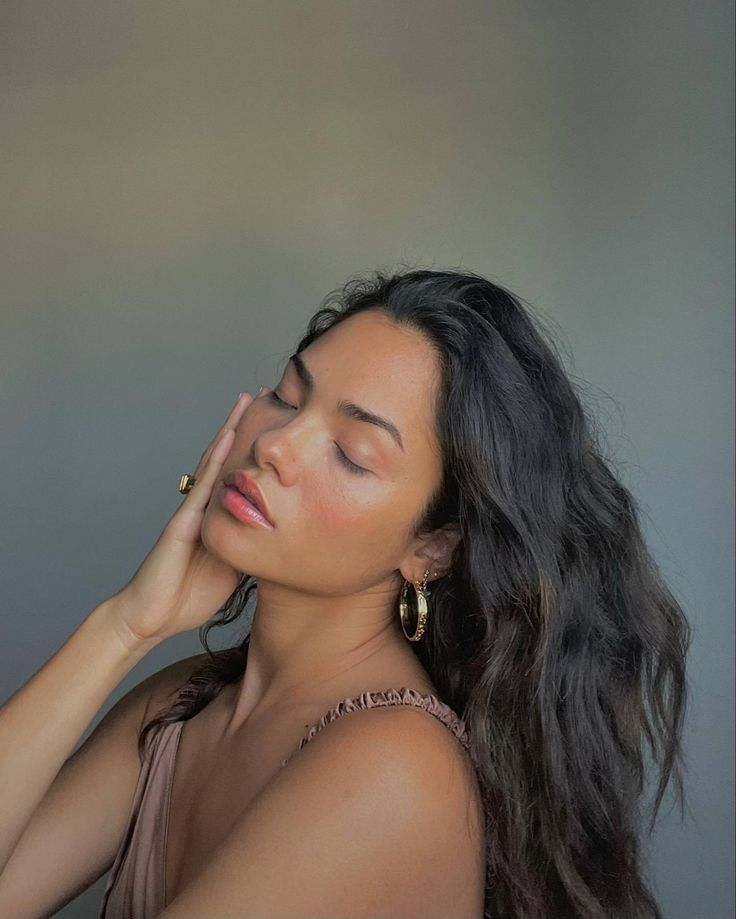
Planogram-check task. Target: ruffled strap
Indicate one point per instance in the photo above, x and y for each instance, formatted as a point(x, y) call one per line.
point(404, 696)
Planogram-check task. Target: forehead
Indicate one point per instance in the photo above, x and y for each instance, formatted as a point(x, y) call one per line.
point(383, 367)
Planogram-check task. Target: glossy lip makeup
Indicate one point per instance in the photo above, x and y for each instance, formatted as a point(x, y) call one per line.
point(241, 508)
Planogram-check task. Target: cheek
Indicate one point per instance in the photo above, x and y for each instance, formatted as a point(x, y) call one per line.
point(246, 420)
point(246, 431)
point(334, 510)
point(347, 516)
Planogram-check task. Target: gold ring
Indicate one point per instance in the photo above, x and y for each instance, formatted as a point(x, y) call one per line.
point(186, 483)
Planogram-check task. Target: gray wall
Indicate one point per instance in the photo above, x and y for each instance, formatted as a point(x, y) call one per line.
point(183, 182)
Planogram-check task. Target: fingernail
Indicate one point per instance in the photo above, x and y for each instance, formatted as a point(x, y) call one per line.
point(262, 389)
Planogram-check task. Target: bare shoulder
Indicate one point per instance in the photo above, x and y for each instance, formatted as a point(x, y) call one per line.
point(400, 738)
point(376, 816)
point(405, 776)
point(412, 756)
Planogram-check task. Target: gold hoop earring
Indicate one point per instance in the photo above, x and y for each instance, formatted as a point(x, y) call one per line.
point(422, 593)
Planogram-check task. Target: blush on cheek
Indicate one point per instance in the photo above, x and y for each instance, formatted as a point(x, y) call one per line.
point(349, 520)
point(336, 518)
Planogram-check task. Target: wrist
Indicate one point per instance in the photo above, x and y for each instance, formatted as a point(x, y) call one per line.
point(108, 615)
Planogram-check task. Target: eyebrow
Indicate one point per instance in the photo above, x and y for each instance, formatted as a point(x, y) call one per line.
point(347, 408)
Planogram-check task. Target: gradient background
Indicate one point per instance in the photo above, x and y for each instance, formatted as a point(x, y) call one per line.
point(183, 182)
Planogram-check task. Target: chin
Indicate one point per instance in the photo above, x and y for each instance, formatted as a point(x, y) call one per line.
point(217, 538)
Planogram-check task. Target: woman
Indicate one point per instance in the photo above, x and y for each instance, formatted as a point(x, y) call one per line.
point(458, 643)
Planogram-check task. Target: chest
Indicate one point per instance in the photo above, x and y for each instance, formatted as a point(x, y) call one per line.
point(212, 786)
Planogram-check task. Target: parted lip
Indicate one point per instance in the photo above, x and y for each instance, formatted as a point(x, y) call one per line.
point(251, 489)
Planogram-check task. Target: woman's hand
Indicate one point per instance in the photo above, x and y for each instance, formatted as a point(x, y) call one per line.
point(179, 584)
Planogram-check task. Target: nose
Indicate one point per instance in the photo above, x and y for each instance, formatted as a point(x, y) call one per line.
point(279, 446)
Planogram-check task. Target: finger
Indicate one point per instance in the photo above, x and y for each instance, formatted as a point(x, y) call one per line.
point(200, 493)
point(241, 404)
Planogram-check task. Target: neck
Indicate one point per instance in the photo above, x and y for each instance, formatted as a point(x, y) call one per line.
point(304, 648)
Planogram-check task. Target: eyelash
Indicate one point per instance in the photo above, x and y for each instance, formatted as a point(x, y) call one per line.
point(277, 400)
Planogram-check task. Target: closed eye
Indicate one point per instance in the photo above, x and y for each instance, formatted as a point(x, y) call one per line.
point(275, 398)
point(344, 459)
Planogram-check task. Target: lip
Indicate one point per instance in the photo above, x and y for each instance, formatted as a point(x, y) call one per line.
point(241, 508)
point(248, 486)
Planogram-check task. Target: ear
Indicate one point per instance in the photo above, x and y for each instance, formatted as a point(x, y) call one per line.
point(433, 552)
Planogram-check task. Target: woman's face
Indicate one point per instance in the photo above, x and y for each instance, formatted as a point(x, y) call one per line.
point(338, 530)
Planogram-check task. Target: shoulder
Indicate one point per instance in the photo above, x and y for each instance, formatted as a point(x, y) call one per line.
point(406, 762)
point(403, 743)
point(401, 764)
point(376, 815)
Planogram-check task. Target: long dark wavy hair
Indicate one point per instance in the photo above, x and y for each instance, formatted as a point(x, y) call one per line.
point(554, 635)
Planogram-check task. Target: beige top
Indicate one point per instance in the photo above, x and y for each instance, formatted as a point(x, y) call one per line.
point(136, 884)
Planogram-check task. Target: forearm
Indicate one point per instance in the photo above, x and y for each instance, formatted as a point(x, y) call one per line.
point(41, 723)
